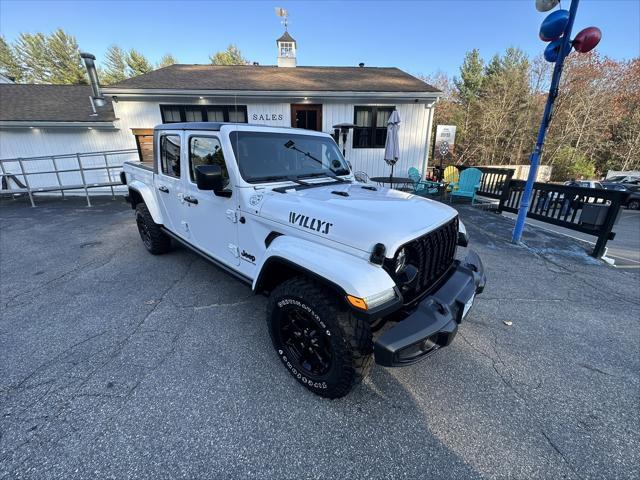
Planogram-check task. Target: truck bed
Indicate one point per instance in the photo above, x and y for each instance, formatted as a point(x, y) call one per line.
point(144, 165)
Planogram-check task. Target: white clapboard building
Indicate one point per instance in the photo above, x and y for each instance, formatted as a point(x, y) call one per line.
point(50, 120)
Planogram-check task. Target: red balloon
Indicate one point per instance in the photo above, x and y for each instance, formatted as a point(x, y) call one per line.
point(587, 39)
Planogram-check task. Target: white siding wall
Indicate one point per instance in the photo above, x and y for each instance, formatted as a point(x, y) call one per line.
point(413, 128)
point(24, 143)
point(146, 114)
point(21, 142)
point(413, 139)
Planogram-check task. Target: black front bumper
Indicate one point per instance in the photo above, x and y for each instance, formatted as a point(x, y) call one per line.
point(435, 321)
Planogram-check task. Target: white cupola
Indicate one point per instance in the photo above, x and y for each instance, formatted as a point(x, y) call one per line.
point(286, 50)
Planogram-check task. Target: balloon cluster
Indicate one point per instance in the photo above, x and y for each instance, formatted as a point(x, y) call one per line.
point(553, 27)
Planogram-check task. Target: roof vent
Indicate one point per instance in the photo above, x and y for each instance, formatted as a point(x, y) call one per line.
point(361, 64)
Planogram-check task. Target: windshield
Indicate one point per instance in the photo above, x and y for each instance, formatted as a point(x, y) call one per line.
point(265, 156)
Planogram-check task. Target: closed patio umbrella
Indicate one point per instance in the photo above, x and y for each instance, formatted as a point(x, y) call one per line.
point(392, 145)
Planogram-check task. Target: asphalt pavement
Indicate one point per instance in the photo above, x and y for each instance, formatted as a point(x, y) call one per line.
point(624, 249)
point(118, 364)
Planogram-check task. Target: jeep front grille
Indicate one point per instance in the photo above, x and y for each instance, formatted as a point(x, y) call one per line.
point(433, 254)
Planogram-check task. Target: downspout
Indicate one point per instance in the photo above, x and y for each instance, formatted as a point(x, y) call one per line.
point(425, 160)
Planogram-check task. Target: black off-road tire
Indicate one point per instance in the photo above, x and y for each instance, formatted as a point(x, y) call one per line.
point(349, 337)
point(634, 205)
point(153, 238)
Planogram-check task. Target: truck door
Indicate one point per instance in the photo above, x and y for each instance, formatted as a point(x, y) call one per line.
point(211, 217)
point(168, 182)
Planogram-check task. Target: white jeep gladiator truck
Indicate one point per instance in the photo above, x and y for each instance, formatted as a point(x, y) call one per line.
point(354, 272)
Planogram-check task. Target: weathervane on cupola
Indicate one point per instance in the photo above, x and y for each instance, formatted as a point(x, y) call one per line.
point(286, 43)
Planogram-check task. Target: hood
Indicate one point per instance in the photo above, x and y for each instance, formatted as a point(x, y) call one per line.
point(356, 216)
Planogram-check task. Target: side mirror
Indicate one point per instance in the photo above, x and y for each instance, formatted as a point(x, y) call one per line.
point(209, 177)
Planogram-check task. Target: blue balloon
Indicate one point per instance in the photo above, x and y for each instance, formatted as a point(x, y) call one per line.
point(553, 50)
point(553, 26)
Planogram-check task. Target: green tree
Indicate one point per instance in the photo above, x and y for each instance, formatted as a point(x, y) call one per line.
point(503, 113)
point(471, 78)
point(9, 64)
point(50, 59)
point(115, 66)
point(65, 65)
point(31, 51)
point(230, 56)
point(167, 60)
point(467, 92)
point(569, 163)
point(137, 63)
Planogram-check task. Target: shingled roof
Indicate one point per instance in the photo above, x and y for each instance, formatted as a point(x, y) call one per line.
point(271, 78)
point(50, 103)
point(286, 38)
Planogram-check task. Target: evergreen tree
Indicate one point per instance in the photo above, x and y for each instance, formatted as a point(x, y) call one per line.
point(230, 56)
point(137, 63)
point(31, 50)
point(9, 64)
point(65, 65)
point(471, 78)
point(115, 66)
point(166, 60)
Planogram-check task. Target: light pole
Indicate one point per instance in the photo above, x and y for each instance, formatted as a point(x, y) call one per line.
point(561, 44)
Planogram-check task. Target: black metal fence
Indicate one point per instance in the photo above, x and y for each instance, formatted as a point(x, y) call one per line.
point(587, 210)
point(493, 180)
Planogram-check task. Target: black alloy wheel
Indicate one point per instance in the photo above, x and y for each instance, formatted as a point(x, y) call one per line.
point(143, 229)
point(151, 234)
point(322, 345)
point(305, 341)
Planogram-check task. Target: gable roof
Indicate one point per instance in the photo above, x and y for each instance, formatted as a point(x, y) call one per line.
point(272, 78)
point(50, 103)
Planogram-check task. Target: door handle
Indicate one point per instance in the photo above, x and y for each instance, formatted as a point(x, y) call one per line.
point(191, 199)
point(163, 189)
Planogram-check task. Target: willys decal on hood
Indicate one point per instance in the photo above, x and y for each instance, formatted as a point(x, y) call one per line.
point(308, 222)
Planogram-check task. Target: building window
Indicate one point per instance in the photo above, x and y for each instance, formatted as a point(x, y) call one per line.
point(170, 114)
point(170, 155)
point(203, 113)
point(371, 126)
point(286, 49)
point(193, 114)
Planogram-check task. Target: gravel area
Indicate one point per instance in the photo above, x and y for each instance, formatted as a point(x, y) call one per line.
point(118, 364)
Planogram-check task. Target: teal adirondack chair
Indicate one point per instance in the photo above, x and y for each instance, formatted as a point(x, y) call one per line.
point(422, 187)
point(467, 186)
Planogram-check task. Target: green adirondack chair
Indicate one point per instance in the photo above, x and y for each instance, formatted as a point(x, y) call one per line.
point(467, 186)
point(421, 187)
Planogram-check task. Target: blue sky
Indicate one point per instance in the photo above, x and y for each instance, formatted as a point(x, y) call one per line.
point(420, 37)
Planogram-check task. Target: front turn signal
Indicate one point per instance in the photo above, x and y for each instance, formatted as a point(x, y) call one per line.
point(357, 302)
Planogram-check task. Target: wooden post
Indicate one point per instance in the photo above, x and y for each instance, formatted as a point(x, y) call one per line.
point(607, 227)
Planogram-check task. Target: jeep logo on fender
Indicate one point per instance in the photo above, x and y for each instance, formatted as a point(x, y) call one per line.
point(310, 223)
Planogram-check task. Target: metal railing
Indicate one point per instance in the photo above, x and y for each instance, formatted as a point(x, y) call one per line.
point(587, 210)
point(61, 173)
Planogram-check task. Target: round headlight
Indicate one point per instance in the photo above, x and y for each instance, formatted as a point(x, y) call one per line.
point(401, 260)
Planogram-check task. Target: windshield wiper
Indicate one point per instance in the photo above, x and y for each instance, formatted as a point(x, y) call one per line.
point(297, 180)
point(329, 174)
point(272, 178)
point(282, 178)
